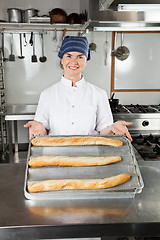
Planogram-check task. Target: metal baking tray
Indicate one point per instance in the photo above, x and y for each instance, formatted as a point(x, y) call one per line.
point(127, 165)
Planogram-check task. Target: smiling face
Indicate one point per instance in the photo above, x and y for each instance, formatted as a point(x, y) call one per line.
point(73, 64)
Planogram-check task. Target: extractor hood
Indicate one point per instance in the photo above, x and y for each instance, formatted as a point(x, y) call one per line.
point(109, 15)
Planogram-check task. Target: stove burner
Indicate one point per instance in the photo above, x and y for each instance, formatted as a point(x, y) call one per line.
point(141, 108)
point(152, 139)
point(157, 149)
point(119, 109)
point(147, 146)
point(149, 153)
point(138, 139)
point(157, 107)
point(135, 108)
point(146, 120)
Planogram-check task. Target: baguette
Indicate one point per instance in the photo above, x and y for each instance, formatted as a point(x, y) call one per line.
point(74, 141)
point(84, 184)
point(66, 161)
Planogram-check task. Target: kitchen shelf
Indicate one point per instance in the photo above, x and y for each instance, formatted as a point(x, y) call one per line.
point(3, 133)
point(41, 26)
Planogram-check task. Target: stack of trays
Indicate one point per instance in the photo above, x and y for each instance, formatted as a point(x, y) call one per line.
point(128, 164)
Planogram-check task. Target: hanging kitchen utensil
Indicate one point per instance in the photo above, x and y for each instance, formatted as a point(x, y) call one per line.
point(34, 57)
point(25, 40)
point(92, 45)
point(105, 52)
point(122, 52)
point(81, 33)
point(3, 49)
point(61, 40)
point(63, 35)
point(55, 35)
point(43, 58)
point(31, 39)
point(12, 56)
point(20, 40)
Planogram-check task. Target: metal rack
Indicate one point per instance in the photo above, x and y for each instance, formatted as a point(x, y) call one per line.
point(2, 105)
point(41, 26)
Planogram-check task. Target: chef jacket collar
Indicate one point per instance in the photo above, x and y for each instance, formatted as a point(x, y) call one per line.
point(68, 83)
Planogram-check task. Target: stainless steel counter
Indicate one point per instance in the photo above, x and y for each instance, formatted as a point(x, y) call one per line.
point(29, 219)
point(13, 114)
point(20, 112)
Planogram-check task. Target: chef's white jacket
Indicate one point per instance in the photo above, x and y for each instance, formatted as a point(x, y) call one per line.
point(67, 110)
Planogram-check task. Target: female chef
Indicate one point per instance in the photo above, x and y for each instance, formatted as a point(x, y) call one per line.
point(74, 106)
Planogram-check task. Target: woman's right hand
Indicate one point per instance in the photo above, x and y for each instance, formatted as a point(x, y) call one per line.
point(35, 128)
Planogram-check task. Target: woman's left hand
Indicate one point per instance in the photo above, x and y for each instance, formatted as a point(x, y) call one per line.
point(120, 127)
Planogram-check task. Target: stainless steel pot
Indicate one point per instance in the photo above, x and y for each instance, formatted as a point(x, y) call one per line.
point(28, 13)
point(15, 15)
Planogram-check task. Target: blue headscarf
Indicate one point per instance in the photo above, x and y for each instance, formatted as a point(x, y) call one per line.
point(75, 44)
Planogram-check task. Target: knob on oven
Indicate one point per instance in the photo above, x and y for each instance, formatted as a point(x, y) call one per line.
point(145, 123)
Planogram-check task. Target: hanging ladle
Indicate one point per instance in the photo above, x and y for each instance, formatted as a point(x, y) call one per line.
point(92, 45)
point(34, 57)
point(43, 58)
point(122, 52)
point(20, 38)
point(12, 56)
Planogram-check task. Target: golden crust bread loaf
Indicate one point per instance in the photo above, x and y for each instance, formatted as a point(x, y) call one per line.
point(67, 161)
point(83, 184)
point(75, 141)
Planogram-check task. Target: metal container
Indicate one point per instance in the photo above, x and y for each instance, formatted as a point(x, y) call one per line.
point(15, 15)
point(127, 165)
point(28, 13)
